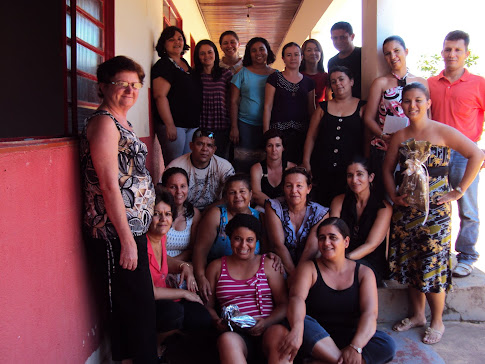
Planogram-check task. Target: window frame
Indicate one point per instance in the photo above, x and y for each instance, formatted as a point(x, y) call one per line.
point(169, 22)
point(106, 26)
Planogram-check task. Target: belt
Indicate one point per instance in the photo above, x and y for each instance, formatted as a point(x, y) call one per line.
point(438, 171)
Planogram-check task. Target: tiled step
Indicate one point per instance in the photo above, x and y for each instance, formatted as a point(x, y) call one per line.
point(466, 302)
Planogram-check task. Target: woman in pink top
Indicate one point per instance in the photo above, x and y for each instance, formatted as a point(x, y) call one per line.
point(384, 104)
point(249, 281)
point(177, 309)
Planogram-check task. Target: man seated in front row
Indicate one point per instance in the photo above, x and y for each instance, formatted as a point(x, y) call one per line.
point(207, 172)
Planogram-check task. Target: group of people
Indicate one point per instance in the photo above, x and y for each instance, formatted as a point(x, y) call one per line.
point(297, 237)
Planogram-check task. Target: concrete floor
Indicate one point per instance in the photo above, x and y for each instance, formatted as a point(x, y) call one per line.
point(462, 343)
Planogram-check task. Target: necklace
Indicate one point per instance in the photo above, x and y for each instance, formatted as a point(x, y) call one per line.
point(176, 65)
point(401, 81)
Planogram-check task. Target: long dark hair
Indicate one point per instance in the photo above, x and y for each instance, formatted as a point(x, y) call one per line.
point(320, 66)
point(342, 69)
point(416, 85)
point(228, 32)
point(394, 38)
point(168, 33)
point(216, 71)
point(340, 224)
point(247, 61)
point(163, 195)
point(188, 207)
point(359, 159)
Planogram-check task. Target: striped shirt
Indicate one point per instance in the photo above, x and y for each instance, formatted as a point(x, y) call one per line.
point(252, 296)
point(215, 108)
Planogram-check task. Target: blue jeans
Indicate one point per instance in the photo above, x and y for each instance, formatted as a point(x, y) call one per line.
point(467, 210)
point(381, 348)
point(178, 147)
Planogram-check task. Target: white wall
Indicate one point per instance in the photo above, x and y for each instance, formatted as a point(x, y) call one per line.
point(339, 10)
point(307, 17)
point(138, 25)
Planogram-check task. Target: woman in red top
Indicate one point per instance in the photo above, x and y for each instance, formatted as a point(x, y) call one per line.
point(177, 309)
point(312, 66)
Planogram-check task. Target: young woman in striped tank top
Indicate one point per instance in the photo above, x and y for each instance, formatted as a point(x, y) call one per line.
point(249, 281)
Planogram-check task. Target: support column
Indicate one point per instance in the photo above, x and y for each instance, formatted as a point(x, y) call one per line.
point(378, 19)
point(307, 17)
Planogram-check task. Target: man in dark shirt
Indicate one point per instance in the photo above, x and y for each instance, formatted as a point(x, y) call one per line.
point(349, 55)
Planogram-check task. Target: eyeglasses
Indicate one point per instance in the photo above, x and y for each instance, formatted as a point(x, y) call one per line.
point(203, 133)
point(124, 84)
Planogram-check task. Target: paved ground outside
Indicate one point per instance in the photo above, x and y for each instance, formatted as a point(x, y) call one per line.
point(462, 343)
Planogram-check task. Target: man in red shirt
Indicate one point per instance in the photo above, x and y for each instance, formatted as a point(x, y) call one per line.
point(458, 100)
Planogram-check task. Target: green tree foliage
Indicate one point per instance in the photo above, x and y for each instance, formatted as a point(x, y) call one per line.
point(431, 65)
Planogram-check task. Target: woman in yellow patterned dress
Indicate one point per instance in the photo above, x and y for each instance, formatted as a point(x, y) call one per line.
point(420, 245)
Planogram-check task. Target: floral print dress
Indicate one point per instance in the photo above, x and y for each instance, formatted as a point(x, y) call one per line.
point(295, 240)
point(135, 183)
point(419, 254)
point(390, 104)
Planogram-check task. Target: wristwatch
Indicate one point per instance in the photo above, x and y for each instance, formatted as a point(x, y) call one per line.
point(458, 188)
point(359, 350)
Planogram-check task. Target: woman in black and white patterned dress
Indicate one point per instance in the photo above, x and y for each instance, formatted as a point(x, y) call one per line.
point(289, 102)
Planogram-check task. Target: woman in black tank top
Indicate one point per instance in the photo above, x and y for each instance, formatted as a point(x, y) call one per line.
point(266, 176)
point(332, 313)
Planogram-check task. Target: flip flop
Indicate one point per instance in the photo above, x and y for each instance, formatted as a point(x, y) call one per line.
point(405, 325)
point(462, 270)
point(432, 336)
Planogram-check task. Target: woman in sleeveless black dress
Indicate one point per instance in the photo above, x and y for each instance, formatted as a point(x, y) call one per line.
point(332, 313)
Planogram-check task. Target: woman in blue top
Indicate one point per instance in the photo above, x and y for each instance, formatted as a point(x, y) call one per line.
point(247, 100)
point(289, 101)
point(212, 241)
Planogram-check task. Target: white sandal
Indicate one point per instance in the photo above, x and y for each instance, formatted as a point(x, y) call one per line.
point(462, 270)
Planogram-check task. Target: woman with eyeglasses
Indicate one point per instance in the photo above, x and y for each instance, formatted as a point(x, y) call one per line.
point(247, 102)
point(215, 82)
point(229, 42)
point(176, 97)
point(291, 220)
point(335, 135)
point(117, 214)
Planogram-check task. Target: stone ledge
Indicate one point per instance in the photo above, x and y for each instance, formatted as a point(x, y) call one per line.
point(466, 301)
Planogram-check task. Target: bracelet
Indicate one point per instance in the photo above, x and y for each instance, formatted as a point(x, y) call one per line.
point(458, 188)
point(359, 350)
point(181, 264)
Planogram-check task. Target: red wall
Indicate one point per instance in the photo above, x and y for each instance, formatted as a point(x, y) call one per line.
point(46, 310)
